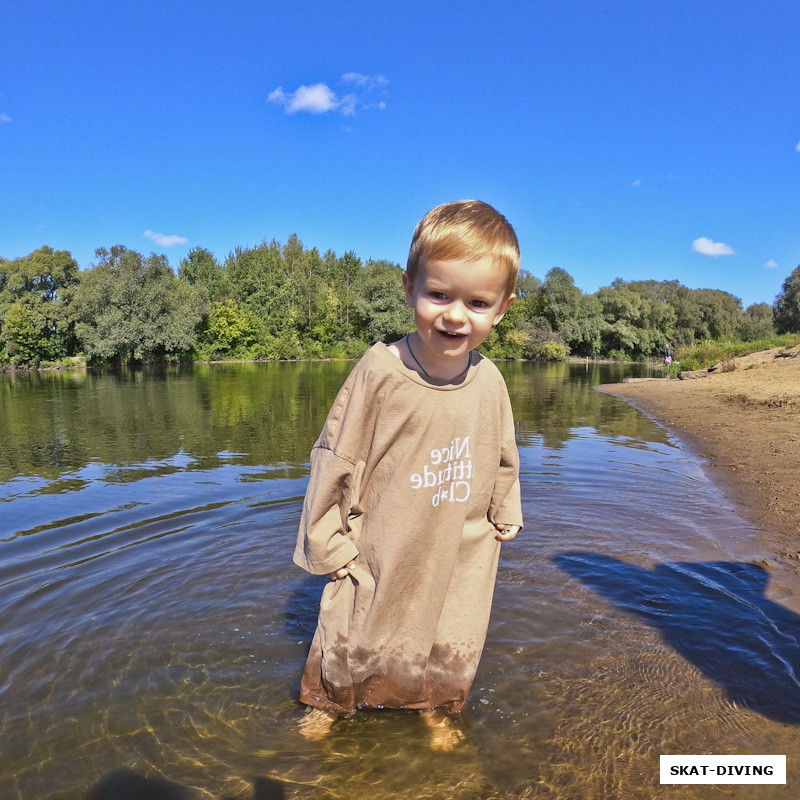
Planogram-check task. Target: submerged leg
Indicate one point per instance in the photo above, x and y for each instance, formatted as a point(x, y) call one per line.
point(316, 724)
point(444, 733)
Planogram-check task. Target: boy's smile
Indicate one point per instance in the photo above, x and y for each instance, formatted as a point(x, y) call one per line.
point(456, 303)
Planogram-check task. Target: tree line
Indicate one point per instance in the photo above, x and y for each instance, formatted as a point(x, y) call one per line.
point(284, 301)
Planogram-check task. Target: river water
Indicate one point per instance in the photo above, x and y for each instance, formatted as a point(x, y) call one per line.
point(154, 629)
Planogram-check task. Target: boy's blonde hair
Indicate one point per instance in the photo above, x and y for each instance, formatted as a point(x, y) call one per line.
point(465, 230)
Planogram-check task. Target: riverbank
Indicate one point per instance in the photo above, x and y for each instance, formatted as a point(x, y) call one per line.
point(743, 419)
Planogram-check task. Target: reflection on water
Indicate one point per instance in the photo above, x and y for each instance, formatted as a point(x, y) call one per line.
point(154, 630)
point(257, 414)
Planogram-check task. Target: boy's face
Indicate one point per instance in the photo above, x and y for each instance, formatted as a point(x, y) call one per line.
point(456, 303)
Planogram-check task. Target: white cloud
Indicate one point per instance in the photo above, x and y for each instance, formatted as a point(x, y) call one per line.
point(316, 99)
point(637, 182)
point(355, 77)
point(771, 264)
point(798, 147)
point(347, 105)
point(4, 118)
point(367, 81)
point(163, 240)
point(321, 99)
point(708, 248)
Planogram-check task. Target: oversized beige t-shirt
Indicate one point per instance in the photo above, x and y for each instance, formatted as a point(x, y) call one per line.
point(407, 478)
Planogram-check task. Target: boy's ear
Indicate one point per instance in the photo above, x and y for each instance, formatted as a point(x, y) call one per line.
point(500, 314)
point(408, 287)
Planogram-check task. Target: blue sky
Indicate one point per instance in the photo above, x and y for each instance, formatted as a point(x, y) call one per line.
point(627, 138)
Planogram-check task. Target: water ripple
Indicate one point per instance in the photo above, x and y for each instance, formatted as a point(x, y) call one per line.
point(154, 631)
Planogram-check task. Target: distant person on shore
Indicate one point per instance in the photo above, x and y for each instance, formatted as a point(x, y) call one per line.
point(414, 484)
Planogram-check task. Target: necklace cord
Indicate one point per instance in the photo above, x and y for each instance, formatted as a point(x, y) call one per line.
point(408, 345)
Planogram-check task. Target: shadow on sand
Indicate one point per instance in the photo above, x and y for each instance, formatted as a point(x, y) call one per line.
point(717, 617)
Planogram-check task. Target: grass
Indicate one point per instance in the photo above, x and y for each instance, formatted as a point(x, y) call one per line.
point(710, 352)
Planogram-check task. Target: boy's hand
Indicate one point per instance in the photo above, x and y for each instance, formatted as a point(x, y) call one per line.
point(342, 572)
point(505, 533)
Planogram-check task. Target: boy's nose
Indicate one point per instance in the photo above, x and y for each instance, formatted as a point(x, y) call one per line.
point(456, 313)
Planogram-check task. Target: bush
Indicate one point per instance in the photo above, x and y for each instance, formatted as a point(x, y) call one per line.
point(553, 351)
point(689, 364)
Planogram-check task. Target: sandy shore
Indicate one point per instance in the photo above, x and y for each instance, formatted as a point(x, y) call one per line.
point(743, 419)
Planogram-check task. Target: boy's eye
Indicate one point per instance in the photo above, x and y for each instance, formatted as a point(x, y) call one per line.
point(479, 304)
point(437, 295)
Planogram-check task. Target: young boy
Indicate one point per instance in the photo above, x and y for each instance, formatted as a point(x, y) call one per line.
point(414, 483)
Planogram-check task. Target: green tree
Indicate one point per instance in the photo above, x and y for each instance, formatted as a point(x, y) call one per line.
point(639, 319)
point(561, 302)
point(260, 279)
point(21, 334)
point(528, 304)
point(658, 313)
point(589, 332)
point(201, 270)
point(231, 331)
point(575, 318)
point(758, 322)
point(689, 323)
point(130, 308)
point(705, 314)
point(379, 308)
point(39, 288)
point(310, 274)
point(721, 313)
point(523, 332)
point(622, 312)
point(345, 276)
point(787, 304)
point(325, 328)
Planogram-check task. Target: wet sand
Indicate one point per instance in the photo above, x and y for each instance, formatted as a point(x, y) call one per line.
point(743, 420)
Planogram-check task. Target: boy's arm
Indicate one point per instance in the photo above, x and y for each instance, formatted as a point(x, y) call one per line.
point(324, 540)
point(505, 509)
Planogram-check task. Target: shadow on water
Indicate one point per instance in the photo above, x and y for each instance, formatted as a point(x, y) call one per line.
point(125, 784)
point(302, 607)
point(300, 613)
point(715, 615)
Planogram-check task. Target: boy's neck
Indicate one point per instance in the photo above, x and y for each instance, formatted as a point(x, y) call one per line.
point(448, 371)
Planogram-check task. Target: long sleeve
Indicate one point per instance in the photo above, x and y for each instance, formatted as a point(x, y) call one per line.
point(324, 539)
point(506, 504)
